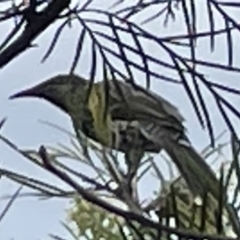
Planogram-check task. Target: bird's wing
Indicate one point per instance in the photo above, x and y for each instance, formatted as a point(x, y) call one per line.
point(156, 115)
point(144, 100)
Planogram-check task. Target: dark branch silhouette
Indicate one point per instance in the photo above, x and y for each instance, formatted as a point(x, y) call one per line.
point(36, 23)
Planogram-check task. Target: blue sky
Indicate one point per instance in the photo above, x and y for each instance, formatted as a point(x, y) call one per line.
point(34, 219)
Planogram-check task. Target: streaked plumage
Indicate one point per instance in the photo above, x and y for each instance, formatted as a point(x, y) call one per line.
point(156, 121)
point(143, 120)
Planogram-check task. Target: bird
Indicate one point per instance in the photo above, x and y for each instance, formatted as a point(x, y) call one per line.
point(123, 116)
point(158, 123)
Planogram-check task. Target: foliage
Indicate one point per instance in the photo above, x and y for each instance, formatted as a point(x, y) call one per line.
point(101, 28)
point(102, 208)
point(94, 221)
point(105, 30)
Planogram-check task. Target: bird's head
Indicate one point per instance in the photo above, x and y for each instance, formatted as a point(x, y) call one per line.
point(62, 91)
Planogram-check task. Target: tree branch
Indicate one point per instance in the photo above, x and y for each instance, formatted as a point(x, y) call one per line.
point(36, 24)
point(129, 215)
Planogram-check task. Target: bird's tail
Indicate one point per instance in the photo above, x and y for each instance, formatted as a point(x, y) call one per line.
point(198, 175)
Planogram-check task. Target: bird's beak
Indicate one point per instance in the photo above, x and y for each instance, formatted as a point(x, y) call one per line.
point(31, 92)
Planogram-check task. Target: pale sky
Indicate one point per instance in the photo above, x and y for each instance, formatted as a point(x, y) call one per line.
point(30, 218)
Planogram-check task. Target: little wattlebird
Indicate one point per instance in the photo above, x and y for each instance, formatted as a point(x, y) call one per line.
point(122, 116)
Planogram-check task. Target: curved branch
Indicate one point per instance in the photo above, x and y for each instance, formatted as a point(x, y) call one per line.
point(129, 215)
point(36, 24)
